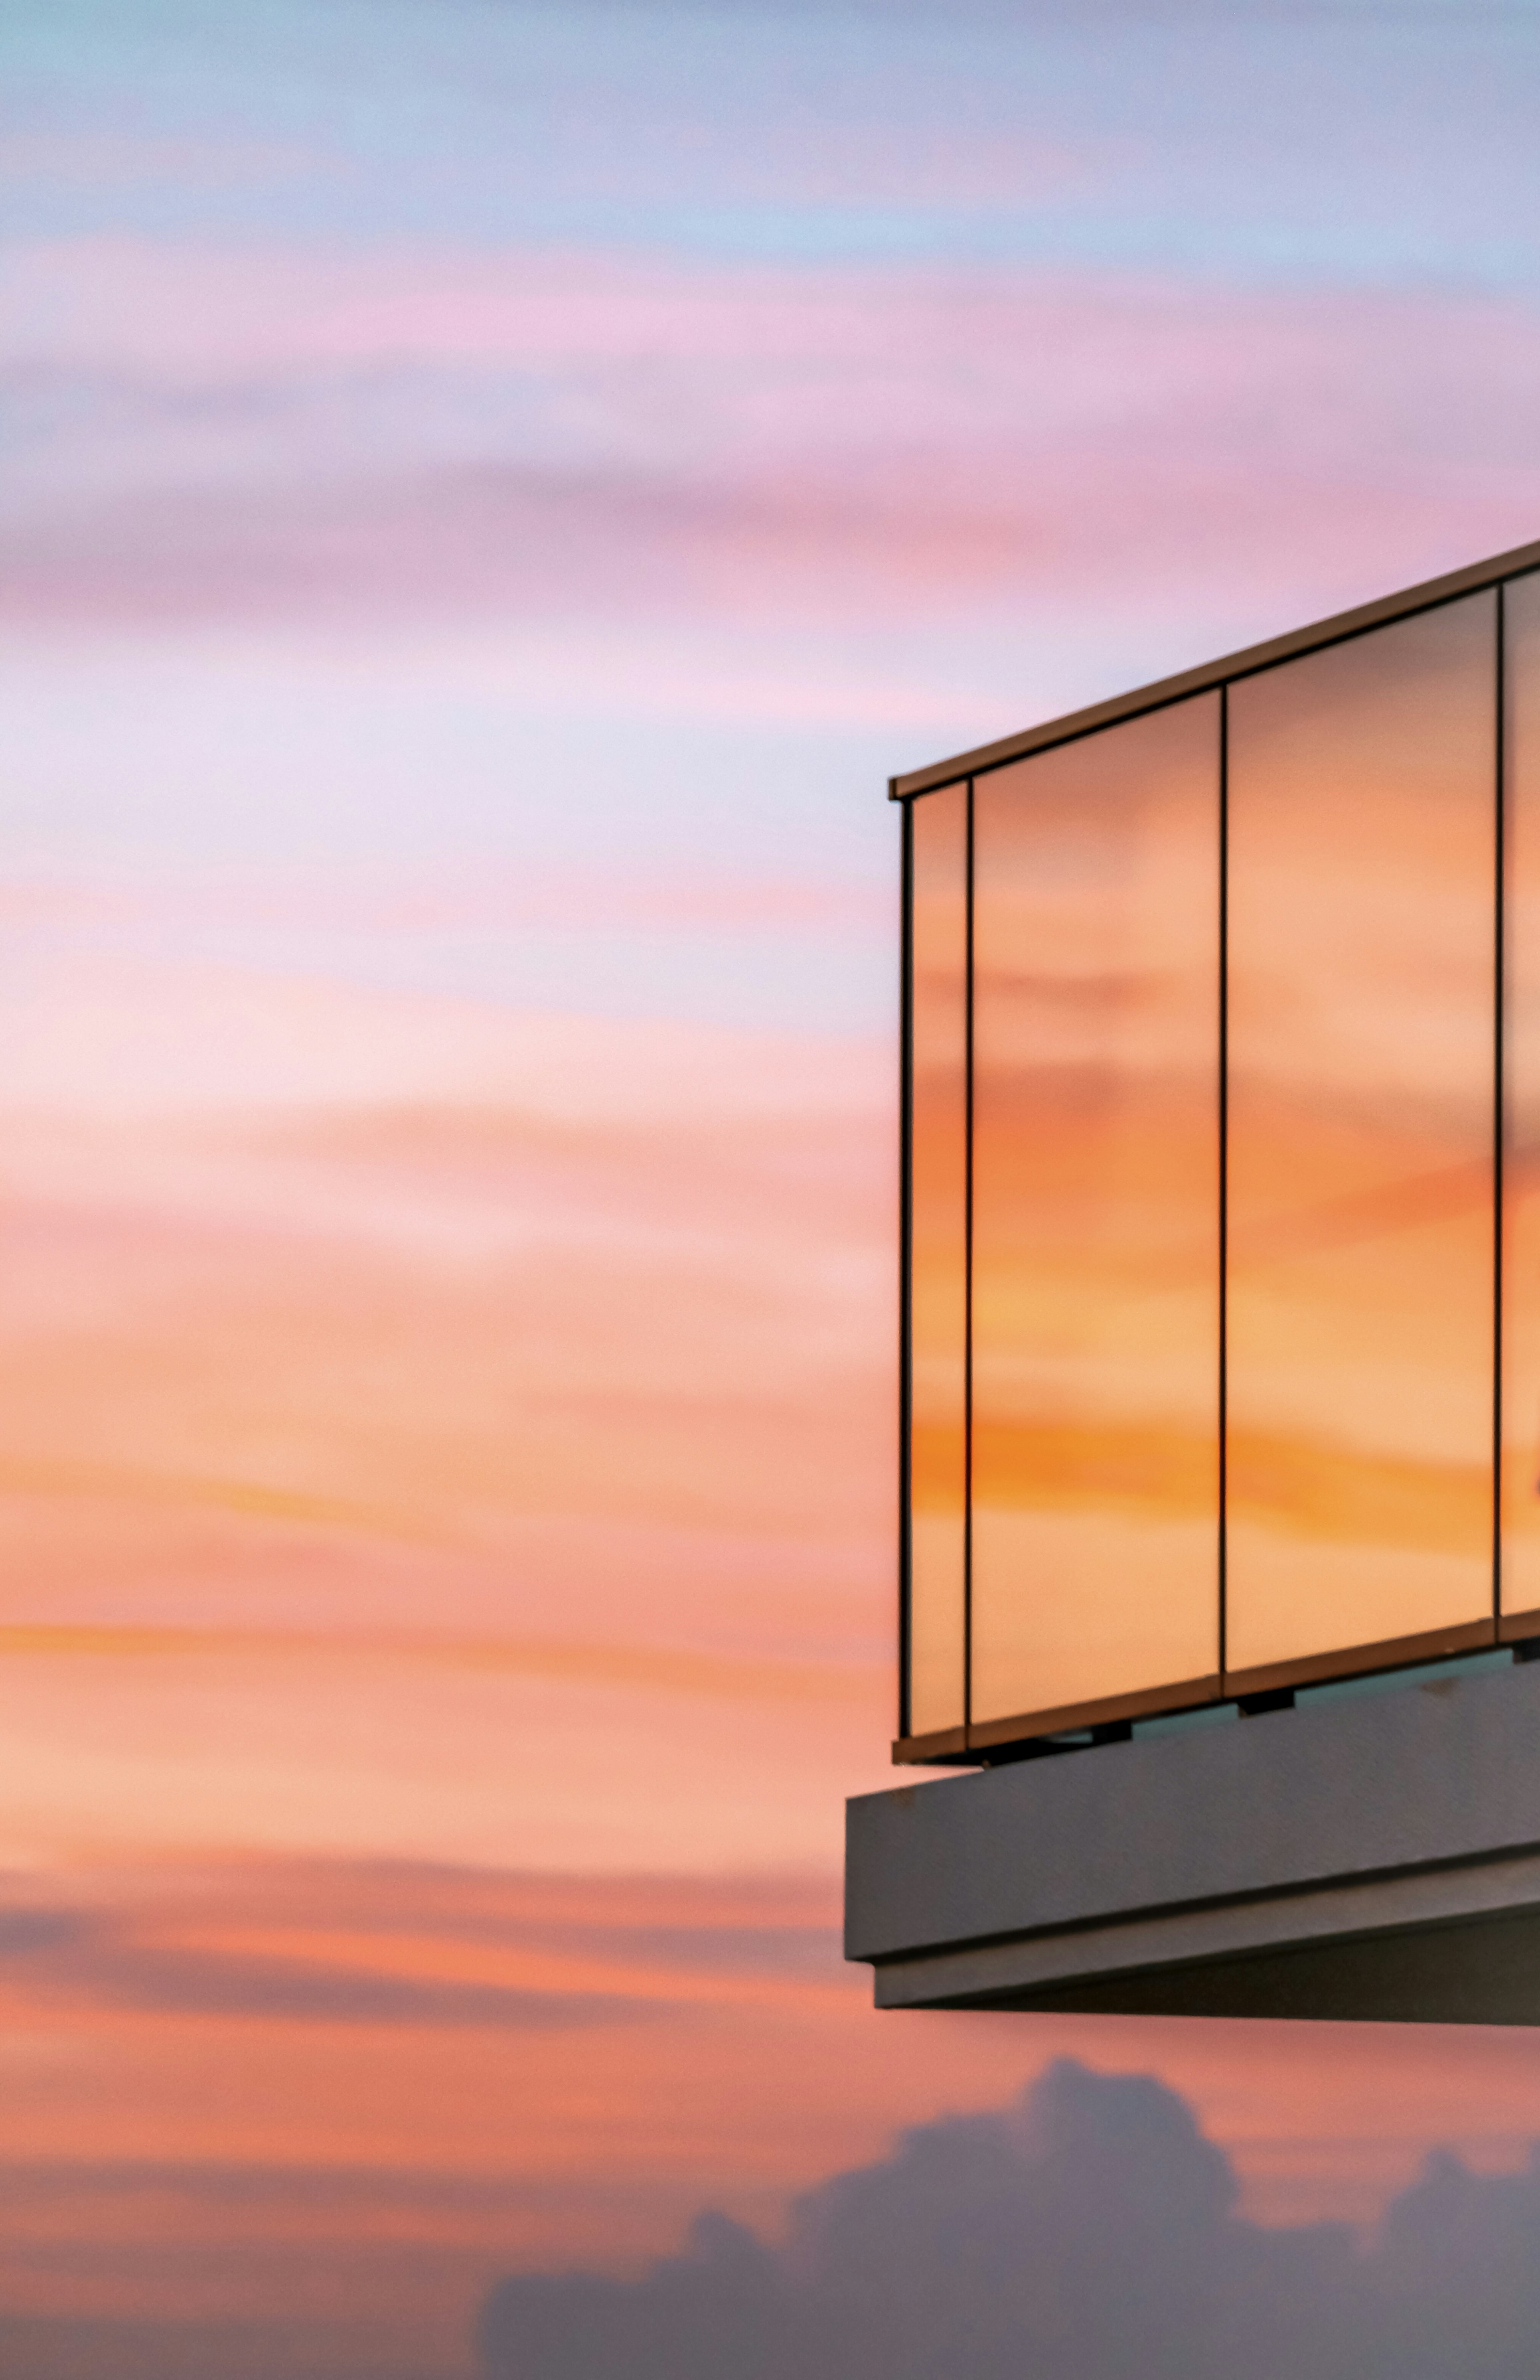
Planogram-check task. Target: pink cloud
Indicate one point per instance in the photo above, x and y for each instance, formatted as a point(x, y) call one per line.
point(767, 443)
point(129, 1038)
point(383, 902)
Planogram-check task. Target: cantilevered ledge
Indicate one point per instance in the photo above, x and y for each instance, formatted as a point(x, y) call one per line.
point(1375, 1856)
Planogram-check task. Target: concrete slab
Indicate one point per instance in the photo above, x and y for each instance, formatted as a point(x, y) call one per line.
point(1376, 1856)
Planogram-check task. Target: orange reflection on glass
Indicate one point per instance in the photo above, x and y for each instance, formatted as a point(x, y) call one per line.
point(1520, 1330)
point(1095, 1217)
point(1361, 949)
point(938, 1225)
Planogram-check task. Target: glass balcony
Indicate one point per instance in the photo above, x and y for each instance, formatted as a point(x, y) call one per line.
point(1222, 1182)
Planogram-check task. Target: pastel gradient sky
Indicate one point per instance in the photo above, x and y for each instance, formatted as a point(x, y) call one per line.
point(492, 491)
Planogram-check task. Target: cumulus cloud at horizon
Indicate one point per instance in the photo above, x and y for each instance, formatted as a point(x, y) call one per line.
point(1089, 2229)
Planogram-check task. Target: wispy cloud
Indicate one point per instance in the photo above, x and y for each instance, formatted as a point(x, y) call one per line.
point(262, 2087)
point(460, 1499)
point(388, 1946)
point(304, 436)
point(494, 489)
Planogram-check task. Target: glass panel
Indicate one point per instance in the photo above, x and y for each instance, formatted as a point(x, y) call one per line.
point(1095, 1216)
point(1521, 1340)
point(1362, 934)
point(939, 1215)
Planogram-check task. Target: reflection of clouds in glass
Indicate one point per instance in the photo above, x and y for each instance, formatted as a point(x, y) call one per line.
point(1520, 1252)
point(1362, 954)
point(938, 828)
point(1096, 1219)
point(1362, 872)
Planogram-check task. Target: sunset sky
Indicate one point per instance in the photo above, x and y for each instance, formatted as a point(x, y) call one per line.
point(493, 492)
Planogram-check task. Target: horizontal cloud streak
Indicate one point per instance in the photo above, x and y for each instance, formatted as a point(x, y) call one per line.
point(249, 2084)
point(494, 490)
point(384, 1944)
point(954, 442)
point(148, 1038)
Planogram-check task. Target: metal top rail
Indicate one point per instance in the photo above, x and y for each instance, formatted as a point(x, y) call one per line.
point(1341, 624)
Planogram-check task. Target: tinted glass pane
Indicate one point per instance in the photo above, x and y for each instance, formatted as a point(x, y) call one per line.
point(1362, 938)
point(938, 1189)
point(1521, 1546)
point(1095, 1217)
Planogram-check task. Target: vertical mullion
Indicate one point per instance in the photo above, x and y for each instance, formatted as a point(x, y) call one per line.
point(1499, 1100)
point(1223, 1090)
point(905, 1254)
point(968, 1292)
